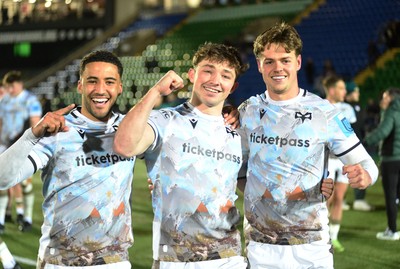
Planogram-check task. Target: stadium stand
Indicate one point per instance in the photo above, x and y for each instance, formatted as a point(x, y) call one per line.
point(336, 30)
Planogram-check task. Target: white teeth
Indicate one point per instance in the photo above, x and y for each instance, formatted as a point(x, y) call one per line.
point(279, 77)
point(211, 90)
point(99, 100)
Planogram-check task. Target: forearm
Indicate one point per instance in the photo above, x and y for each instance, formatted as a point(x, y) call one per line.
point(370, 166)
point(134, 135)
point(14, 162)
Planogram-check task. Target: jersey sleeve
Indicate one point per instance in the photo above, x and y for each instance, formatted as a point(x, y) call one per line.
point(34, 106)
point(158, 120)
point(16, 163)
point(342, 136)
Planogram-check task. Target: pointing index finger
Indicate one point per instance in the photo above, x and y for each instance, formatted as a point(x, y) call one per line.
point(65, 110)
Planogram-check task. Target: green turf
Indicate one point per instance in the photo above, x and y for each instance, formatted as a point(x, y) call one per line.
point(357, 233)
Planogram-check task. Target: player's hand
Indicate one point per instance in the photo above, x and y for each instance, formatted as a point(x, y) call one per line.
point(358, 177)
point(52, 122)
point(327, 187)
point(231, 116)
point(169, 83)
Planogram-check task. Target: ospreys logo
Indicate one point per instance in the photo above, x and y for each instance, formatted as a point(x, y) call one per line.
point(302, 116)
point(232, 132)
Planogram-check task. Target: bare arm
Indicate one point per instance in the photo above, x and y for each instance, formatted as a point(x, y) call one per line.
point(134, 135)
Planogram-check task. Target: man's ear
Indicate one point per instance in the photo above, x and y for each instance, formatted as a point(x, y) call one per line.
point(299, 62)
point(191, 74)
point(259, 66)
point(234, 87)
point(120, 89)
point(79, 87)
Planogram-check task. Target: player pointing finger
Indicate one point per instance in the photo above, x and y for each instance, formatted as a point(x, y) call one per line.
point(52, 122)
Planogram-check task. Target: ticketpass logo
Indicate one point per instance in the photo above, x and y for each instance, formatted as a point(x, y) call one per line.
point(101, 160)
point(212, 153)
point(279, 141)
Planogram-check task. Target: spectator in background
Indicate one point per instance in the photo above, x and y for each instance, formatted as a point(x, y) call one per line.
point(353, 98)
point(373, 53)
point(388, 135)
point(19, 110)
point(310, 71)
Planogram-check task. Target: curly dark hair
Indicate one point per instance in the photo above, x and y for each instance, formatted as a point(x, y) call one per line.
point(101, 56)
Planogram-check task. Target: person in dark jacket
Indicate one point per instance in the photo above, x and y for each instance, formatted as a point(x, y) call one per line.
point(388, 134)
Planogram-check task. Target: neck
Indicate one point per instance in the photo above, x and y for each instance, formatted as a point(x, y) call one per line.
point(208, 110)
point(283, 95)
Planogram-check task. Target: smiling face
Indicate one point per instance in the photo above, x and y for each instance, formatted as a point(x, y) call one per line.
point(212, 83)
point(100, 85)
point(279, 71)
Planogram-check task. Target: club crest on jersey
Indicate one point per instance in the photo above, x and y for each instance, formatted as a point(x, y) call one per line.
point(193, 122)
point(344, 125)
point(347, 125)
point(262, 113)
point(230, 131)
point(303, 117)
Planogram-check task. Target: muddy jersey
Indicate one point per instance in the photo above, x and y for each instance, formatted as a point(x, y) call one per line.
point(193, 163)
point(284, 143)
point(15, 113)
point(86, 189)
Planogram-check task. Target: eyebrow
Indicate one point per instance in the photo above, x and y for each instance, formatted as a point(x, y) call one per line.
point(213, 67)
point(107, 78)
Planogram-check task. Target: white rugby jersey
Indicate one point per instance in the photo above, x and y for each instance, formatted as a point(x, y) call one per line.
point(86, 189)
point(284, 143)
point(193, 163)
point(15, 113)
point(347, 110)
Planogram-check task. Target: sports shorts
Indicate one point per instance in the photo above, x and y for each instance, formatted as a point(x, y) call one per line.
point(117, 265)
point(311, 256)
point(235, 262)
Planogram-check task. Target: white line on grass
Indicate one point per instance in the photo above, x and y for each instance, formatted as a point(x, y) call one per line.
point(25, 260)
